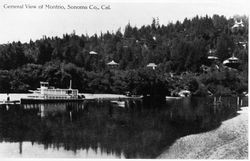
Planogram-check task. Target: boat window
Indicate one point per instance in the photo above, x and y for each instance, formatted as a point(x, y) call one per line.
point(69, 92)
point(44, 84)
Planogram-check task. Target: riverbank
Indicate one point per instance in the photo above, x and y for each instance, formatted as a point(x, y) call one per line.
point(229, 141)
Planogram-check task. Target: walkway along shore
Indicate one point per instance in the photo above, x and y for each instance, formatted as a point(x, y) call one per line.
point(229, 141)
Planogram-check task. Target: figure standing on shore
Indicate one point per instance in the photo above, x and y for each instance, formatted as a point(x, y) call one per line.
point(8, 97)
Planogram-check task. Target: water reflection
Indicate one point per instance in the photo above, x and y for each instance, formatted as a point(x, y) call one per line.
point(135, 130)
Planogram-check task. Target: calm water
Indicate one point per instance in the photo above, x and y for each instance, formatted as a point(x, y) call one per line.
point(140, 129)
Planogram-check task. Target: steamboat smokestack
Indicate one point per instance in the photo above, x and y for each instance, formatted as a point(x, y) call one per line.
point(70, 84)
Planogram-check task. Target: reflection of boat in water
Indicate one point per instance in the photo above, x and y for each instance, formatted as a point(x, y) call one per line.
point(51, 94)
point(45, 109)
point(119, 103)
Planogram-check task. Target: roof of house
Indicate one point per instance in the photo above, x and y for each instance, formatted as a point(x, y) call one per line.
point(93, 53)
point(112, 63)
point(151, 65)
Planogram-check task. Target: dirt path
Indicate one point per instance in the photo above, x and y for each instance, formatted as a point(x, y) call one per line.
point(229, 141)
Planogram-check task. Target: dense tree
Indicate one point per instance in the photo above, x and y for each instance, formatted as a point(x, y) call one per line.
point(176, 47)
point(5, 81)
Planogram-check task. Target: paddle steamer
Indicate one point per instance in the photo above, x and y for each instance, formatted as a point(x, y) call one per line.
point(51, 94)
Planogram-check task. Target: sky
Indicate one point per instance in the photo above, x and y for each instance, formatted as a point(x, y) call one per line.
point(25, 24)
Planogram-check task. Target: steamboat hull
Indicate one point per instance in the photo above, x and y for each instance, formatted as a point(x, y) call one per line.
point(40, 100)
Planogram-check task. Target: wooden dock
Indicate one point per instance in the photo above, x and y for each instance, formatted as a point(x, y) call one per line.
point(10, 102)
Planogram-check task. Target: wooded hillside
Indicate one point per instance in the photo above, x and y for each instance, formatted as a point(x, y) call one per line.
point(179, 48)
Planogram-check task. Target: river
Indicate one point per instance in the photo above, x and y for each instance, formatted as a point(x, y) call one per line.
point(105, 129)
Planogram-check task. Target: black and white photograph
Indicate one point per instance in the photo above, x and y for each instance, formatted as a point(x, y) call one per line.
point(99, 79)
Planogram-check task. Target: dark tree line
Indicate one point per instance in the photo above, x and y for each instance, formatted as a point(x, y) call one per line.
point(177, 48)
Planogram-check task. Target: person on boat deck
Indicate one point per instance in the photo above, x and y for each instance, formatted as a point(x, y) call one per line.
point(8, 97)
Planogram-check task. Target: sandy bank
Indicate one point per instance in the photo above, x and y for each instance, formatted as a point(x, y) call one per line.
point(229, 141)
